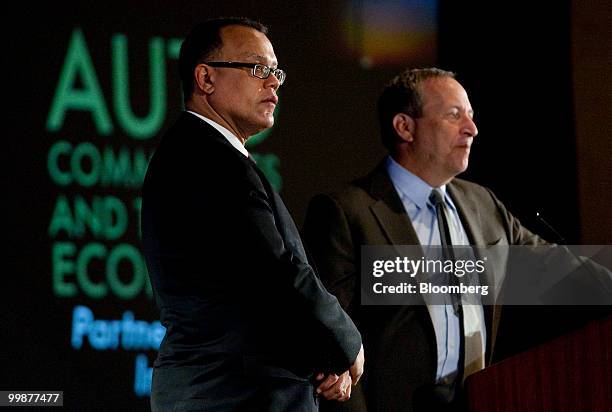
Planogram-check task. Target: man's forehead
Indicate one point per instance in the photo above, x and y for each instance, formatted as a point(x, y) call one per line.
point(439, 83)
point(258, 57)
point(247, 43)
point(443, 89)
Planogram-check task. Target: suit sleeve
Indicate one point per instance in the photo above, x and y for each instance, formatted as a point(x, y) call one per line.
point(286, 271)
point(585, 281)
point(328, 236)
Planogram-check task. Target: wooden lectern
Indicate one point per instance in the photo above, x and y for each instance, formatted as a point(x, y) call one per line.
point(570, 373)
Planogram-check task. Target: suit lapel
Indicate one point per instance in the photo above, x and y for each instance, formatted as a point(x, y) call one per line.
point(389, 210)
point(397, 228)
point(282, 217)
point(468, 213)
point(470, 218)
point(392, 217)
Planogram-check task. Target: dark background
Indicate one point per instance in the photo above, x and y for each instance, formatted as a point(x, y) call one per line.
point(537, 74)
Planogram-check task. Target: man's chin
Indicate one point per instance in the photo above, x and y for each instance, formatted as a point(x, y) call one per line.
point(458, 168)
point(462, 163)
point(462, 168)
point(261, 127)
point(266, 121)
point(270, 120)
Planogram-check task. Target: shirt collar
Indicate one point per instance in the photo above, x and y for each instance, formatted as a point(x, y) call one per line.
point(229, 136)
point(411, 186)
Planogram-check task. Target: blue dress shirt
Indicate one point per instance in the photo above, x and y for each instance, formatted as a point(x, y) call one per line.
point(414, 194)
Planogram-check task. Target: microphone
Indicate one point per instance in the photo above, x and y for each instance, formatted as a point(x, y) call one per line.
point(560, 239)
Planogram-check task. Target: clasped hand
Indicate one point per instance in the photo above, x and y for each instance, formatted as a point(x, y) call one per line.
point(338, 388)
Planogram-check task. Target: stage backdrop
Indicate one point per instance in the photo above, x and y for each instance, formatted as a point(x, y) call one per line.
point(93, 86)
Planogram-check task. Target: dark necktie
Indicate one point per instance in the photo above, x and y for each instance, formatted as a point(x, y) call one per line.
point(437, 200)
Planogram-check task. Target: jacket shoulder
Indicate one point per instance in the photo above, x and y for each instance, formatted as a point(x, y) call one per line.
point(471, 189)
point(467, 185)
point(350, 196)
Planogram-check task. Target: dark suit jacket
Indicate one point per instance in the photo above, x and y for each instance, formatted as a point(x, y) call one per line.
point(236, 294)
point(399, 341)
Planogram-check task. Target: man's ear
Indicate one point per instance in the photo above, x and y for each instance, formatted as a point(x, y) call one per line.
point(203, 78)
point(404, 126)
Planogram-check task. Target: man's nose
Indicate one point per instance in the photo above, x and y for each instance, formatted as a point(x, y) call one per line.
point(272, 82)
point(469, 127)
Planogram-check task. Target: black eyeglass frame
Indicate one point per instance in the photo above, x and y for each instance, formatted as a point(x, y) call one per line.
point(280, 75)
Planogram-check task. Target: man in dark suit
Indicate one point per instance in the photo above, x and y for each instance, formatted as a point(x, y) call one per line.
point(249, 326)
point(417, 355)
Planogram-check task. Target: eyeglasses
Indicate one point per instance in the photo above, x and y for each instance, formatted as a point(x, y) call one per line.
point(259, 70)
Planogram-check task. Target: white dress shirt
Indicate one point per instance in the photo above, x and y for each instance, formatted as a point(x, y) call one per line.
point(232, 138)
